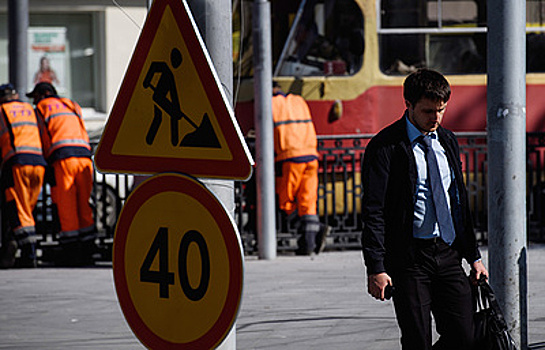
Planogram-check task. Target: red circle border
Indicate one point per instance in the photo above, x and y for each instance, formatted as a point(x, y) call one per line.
point(192, 187)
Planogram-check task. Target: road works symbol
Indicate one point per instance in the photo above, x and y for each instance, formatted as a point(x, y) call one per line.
point(178, 264)
point(165, 96)
point(171, 113)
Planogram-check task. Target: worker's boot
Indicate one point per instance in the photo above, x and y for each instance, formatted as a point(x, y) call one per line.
point(28, 256)
point(7, 254)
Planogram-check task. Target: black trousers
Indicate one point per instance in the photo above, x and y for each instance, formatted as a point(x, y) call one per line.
point(434, 284)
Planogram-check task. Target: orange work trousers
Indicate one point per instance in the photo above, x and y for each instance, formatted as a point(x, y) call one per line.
point(23, 195)
point(297, 187)
point(71, 193)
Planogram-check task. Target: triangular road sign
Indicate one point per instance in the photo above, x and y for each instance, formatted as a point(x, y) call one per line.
point(171, 114)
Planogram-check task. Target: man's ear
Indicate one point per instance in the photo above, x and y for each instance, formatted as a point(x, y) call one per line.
point(407, 104)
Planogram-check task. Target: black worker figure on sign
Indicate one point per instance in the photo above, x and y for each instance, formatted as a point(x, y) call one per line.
point(165, 96)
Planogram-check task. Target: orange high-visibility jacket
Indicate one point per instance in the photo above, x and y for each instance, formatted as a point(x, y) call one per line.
point(294, 134)
point(19, 132)
point(64, 125)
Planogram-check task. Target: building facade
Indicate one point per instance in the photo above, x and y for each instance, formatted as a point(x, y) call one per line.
point(82, 46)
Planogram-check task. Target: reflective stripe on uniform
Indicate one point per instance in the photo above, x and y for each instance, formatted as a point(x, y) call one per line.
point(68, 236)
point(26, 149)
point(58, 115)
point(25, 235)
point(69, 142)
point(310, 223)
point(87, 233)
point(18, 124)
point(292, 122)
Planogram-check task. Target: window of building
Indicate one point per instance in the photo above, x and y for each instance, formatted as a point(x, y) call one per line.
point(67, 43)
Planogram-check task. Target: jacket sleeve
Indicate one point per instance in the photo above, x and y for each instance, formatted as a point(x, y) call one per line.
point(376, 171)
point(470, 250)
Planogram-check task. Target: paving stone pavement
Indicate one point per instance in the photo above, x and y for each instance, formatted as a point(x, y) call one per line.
point(288, 303)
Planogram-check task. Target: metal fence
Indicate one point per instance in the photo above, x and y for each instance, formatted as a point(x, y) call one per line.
point(339, 196)
point(340, 191)
point(535, 157)
point(107, 198)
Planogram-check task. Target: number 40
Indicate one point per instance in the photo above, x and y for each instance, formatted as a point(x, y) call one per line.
point(164, 277)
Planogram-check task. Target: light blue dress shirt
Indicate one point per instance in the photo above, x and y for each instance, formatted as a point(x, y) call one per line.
point(425, 222)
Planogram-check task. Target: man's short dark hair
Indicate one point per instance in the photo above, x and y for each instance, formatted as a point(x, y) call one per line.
point(426, 83)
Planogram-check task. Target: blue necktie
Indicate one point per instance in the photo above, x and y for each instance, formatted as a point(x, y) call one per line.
point(442, 212)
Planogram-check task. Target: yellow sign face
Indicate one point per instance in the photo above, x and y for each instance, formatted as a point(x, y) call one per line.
point(177, 264)
point(157, 93)
point(171, 113)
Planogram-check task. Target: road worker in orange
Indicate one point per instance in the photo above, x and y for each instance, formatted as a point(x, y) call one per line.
point(67, 151)
point(296, 168)
point(23, 168)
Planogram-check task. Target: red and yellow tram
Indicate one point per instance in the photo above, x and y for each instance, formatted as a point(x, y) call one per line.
point(354, 54)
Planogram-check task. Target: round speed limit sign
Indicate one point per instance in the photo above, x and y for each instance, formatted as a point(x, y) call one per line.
point(178, 264)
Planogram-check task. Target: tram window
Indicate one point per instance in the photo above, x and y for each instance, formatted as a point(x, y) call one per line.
point(310, 37)
point(446, 35)
point(535, 40)
point(535, 49)
point(432, 14)
point(450, 54)
point(535, 13)
point(327, 39)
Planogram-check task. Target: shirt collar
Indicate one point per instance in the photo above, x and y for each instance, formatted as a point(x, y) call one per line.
point(413, 133)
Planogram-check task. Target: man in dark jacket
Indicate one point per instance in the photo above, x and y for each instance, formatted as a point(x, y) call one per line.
point(417, 222)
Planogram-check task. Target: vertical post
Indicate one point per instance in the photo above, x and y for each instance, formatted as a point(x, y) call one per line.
point(214, 19)
point(17, 49)
point(18, 41)
point(266, 212)
point(506, 116)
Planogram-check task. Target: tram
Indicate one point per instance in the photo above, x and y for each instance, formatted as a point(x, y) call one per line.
point(348, 59)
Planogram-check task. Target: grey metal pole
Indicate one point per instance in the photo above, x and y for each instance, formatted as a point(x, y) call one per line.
point(506, 116)
point(18, 57)
point(266, 212)
point(214, 19)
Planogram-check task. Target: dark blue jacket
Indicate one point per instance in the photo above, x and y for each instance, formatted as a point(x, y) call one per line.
point(389, 186)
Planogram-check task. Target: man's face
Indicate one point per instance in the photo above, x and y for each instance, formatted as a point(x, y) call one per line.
point(426, 114)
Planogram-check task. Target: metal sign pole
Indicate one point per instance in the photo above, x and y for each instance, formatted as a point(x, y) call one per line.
point(18, 26)
point(214, 19)
point(507, 161)
point(266, 213)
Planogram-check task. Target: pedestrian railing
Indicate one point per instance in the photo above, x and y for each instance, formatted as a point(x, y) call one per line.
point(340, 190)
point(107, 198)
point(339, 196)
point(535, 157)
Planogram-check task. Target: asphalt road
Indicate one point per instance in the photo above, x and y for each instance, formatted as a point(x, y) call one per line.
point(288, 303)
